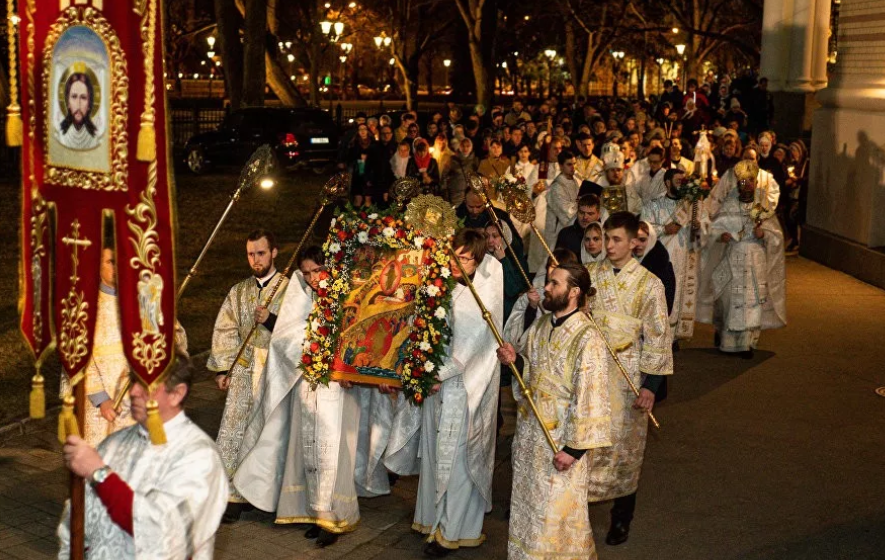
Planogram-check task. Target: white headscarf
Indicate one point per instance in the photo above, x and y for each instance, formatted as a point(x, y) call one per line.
point(652, 240)
point(399, 164)
point(586, 257)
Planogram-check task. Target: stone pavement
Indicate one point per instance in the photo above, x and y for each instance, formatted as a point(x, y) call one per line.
point(779, 457)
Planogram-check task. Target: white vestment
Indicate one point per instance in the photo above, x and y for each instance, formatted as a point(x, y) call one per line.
point(562, 207)
point(684, 253)
point(515, 325)
point(588, 169)
point(743, 281)
point(179, 495)
point(232, 326)
point(636, 172)
point(376, 423)
point(458, 422)
point(262, 454)
point(648, 188)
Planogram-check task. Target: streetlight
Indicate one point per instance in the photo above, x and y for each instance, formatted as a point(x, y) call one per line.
point(447, 63)
point(387, 41)
point(680, 49)
point(326, 26)
point(675, 30)
point(347, 47)
point(550, 54)
point(211, 41)
point(290, 58)
point(618, 56)
point(378, 41)
point(339, 28)
point(343, 58)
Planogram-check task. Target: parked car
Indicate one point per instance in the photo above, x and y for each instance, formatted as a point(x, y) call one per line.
point(299, 137)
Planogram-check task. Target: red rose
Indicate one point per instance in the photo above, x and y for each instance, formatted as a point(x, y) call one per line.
point(314, 347)
point(413, 337)
point(429, 243)
point(431, 302)
point(420, 323)
point(374, 231)
point(416, 353)
point(438, 283)
point(388, 220)
point(428, 262)
point(305, 359)
point(418, 398)
point(322, 292)
point(324, 275)
point(364, 216)
point(327, 314)
point(342, 235)
point(339, 256)
point(324, 331)
point(400, 233)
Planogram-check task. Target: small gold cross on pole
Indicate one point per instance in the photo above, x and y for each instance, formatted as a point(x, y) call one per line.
point(77, 243)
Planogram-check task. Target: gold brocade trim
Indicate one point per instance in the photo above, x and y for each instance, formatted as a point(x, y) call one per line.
point(117, 178)
point(233, 500)
point(73, 339)
point(337, 527)
point(149, 345)
point(544, 554)
point(436, 536)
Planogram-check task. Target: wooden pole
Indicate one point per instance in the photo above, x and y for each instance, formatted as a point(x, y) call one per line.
point(78, 488)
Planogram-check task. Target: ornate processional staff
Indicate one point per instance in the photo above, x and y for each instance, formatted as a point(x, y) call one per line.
point(333, 189)
point(521, 207)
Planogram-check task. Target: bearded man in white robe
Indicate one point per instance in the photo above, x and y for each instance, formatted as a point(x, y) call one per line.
point(631, 308)
point(145, 500)
point(243, 308)
point(681, 231)
point(564, 362)
point(743, 281)
point(457, 443)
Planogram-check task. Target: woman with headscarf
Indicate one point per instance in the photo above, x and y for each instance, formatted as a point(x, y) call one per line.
point(399, 162)
point(652, 254)
point(361, 160)
point(423, 167)
point(442, 153)
point(592, 245)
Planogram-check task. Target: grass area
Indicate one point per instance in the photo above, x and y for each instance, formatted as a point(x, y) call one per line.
point(285, 210)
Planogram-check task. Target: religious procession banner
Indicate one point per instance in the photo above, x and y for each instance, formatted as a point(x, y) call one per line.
point(95, 166)
point(380, 316)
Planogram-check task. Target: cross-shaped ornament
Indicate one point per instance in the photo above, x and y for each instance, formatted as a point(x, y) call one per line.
point(77, 243)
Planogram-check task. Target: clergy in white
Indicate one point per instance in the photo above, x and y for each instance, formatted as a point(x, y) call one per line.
point(242, 309)
point(565, 364)
point(649, 185)
point(631, 308)
point(458, 426)
point(144, 500)
point(742, 281)
point(562, 199)
point(680, 226)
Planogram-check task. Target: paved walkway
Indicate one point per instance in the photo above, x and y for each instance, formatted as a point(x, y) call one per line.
point(779, 457)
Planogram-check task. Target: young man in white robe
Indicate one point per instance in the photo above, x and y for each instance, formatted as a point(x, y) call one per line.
point(742, 281)
point(680, 230)
point(563, 360)
point(457, 444)
point(243, 308)
point(562, 199)
point(631, 308)
point(650, 185)
point(637, 173)
point(145, 500)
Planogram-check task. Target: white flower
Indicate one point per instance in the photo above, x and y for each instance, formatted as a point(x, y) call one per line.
point(334, 247)
point(362, 237)
point(324, 283)
point(373, 216)
point(314, 324)
point(440, 313)
point(424, 346)
point(332, 224)
point(419, 242)
point(388, 232)
point(429, 366)
point(445, 272)
point(509, 178)
point(432, 290)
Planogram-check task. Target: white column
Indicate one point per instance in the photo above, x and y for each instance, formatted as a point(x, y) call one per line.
point(775, 50)
point(801, 41)
point(821, 44)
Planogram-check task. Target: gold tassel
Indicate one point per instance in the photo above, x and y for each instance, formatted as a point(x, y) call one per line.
point(155, 424)
point(147, 141)
point(67, 422)
point(14, 126)
point(37, 397)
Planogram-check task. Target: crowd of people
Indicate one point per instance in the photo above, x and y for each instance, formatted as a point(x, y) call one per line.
point(650, 216)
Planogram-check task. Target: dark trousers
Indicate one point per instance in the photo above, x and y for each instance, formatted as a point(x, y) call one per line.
point(623, 508)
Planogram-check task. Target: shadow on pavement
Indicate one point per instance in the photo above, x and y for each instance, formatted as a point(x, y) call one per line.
point(703, 370)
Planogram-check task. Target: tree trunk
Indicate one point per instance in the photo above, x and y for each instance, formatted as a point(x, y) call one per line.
point(587, 70)
point(314, 71)
point(255, 53)
point(480, 75)
point(280, 83)
point(571, 58)
point(409, 71)
point(228, 20)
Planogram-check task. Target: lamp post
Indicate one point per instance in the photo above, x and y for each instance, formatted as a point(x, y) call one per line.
point(618, 56)
point(447, 63)
point(210, 40)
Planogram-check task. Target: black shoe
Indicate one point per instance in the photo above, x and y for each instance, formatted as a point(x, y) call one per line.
point(312, 533)
point(675, 347)
point(747, 354)
point(326, 538)
point(232, 513)
point(392, 477)
point(618, 533)
point(436, 550)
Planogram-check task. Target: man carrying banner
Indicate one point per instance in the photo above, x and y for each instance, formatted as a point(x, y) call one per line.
point(566, 367)
point(144, 500)
point(458, 422)
point(244, 307)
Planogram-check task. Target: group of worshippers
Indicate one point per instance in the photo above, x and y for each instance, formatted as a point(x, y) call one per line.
point(645, 264)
